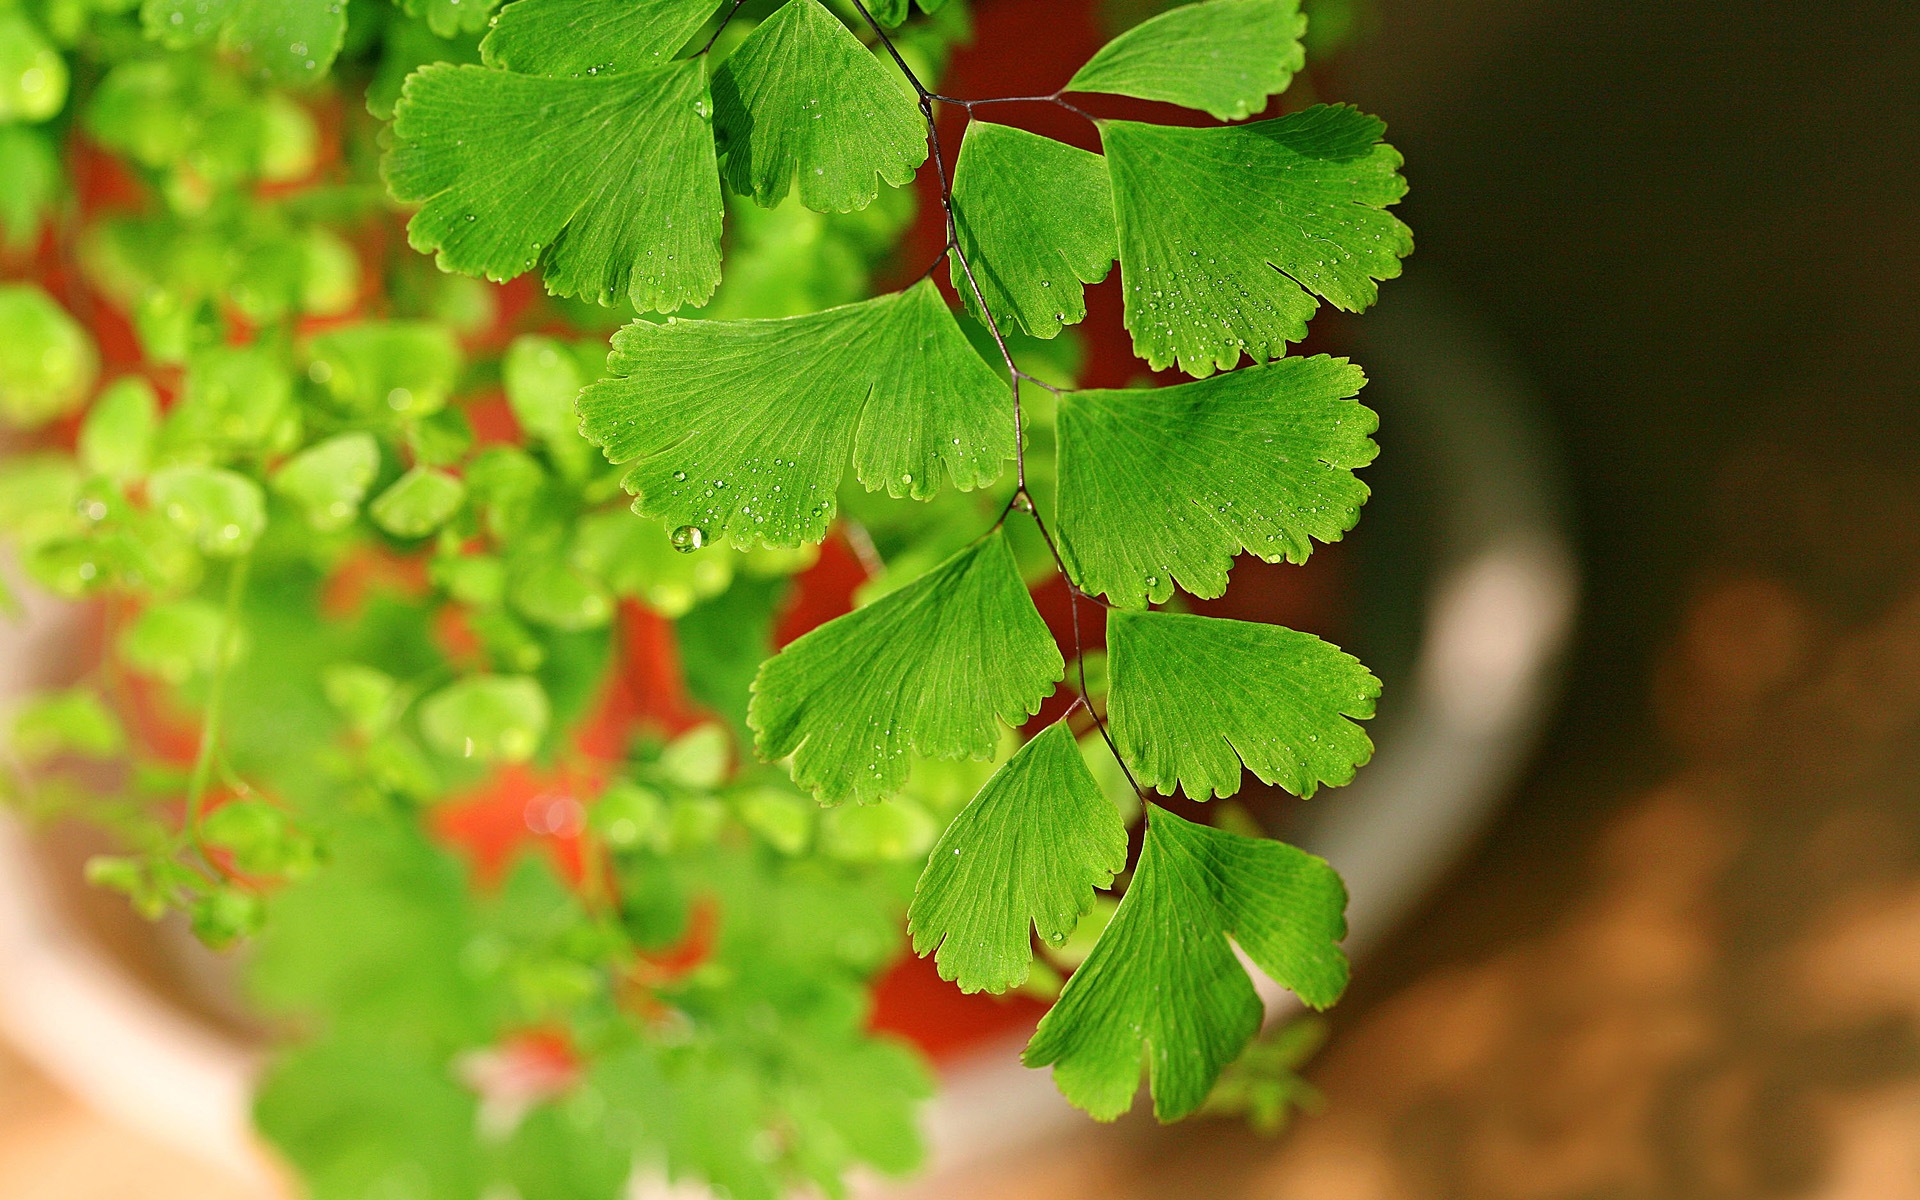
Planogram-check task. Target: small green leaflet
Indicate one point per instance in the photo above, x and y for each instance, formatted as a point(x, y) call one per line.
point(1223, 56)
point(1163, 980)
point(1025, 854)
point(116, 439)
point(927, 668)
point(290, 41)
point(1035, 220)
point(1164, 486)
point(894, 12)
point(329, 479)
point(1224, 232)
point(490, 717)
point(419, 502)
point(1194, 697)
point(802, 96)
point(223, 511)
point(742, 429)
point(582, 37)
point(608, 182)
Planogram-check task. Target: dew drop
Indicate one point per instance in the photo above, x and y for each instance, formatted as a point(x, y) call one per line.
point(688, 538)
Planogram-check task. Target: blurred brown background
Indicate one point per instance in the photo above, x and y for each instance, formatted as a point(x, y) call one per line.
point(1686, 963)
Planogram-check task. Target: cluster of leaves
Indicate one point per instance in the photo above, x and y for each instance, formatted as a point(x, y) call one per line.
point(362, 561)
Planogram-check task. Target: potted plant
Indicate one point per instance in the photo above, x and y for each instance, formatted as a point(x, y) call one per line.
point(560, 701)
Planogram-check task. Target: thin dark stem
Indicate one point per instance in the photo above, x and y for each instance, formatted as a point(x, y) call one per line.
point(1053, 99)
point(721, 27)
point(1022, 498)
point(886, 41)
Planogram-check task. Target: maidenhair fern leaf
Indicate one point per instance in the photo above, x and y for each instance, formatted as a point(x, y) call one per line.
point(608, 182)
point(1035, 221)
point(572, 38)
point(1164, 486)
point(894, 12)
point(932, 669)
point(289, 42)
point(801, 96)
point(1024, 855)
point(1163, 980)
point(1224, 56)
point(1194, 697)
point(1227, 234)
point(742, 429)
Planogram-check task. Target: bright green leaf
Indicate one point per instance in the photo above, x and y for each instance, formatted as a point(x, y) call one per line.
point(896, 831)
point(1035, 219)
point(361, 694)
point(925, 669)
point(802, 96)
point(69, 722)
point(609, 182)
point(32, 170)
point(238, 402)
point(33, 76)
point(542, 379)
point(894, 12)
point(222, 511)
point(1194, 697)
point(329, 479)
point(1164, 486)
point(290, 41)
point(1024, 856)
point(406, 368)
point(552, 593)
point(1224, 232)
point(116, 439)
point(177, 640)
point(742, 429)
point(491, 717)
point(1163, 980)
point(636, 558)
point(418, 502)
point(260, 837)
point(47, 362)
point(699, 758)
point(1223, 56)
point(571, 38)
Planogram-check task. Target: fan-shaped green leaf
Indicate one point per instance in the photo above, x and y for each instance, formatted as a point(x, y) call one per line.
point(289, 41)
point(1166, 485)
point(47, 361)
point(1035, 219)
point(1163, 980)
point(1224, 232)
point(608, 182)
point(117, 437)
point(487, 717)
point(1024, 855)
point(895, 12)
point(418, 502)
point(927, 668)
point(582, 37)
point(742, 429)
point(329, 479)
point(222, 511)
point(1223, 56)
point(1194, 697)
point(802, 96)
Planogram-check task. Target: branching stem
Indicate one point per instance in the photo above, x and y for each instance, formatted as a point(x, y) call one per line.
point(1022, 498)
